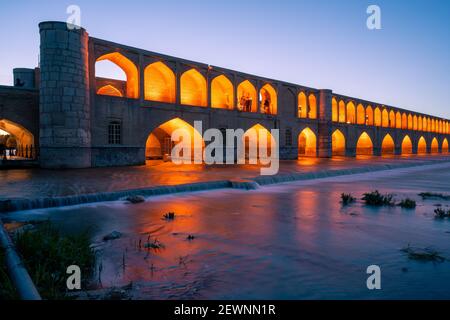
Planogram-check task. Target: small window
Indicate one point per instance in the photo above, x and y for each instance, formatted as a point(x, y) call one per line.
point(114, 132)
point(288, 137)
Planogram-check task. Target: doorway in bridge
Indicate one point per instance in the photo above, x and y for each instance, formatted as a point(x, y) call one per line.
point(338, 143)
point(161, 141)
point(307, 143)
point(387, 146)
point(258, 142)
point(364, 146)
point(407, 145)
point(422, 146)
point(445, 146)
point(16, 142)
point(434, 146)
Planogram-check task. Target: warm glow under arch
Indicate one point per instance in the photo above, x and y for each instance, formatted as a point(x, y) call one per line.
point(387, 145)
point(222, 95)
point(22, 135)
point(338, 143)
point(415, 123)
point(364, 146)
point(334, 110)
point(369, 116)
point(159, 83)
point(392, 119)
point(307, 143)
point(445, 146)
point(312, 102)
point(434, 146)
point(422, 146)
point(247, 96)
point(159, 142)
point(351, 116)
point(193, 88)
point(130, 69)
point(410, 122)
point(404, 123)
point(377, 116)
point(255, 137)
point(342, 111)
point(302, 105)
point(407, 145)
point(398, 120)
point(109, 90)
point(268, 101)
point(360, 114)
point(385, 118)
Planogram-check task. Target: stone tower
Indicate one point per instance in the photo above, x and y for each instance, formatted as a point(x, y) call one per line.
point(65, 137)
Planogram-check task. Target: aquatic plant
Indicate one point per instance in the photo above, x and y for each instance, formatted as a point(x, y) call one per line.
point(155, 245)
point(427, 254)
point(407, 203)
point(440, 213)
point(432, 195)
point(347, 198)
point(375, 198)
point(169, 216)
point(190, 237)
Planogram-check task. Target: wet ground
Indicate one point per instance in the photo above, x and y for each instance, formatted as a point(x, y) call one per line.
point(289, 241)
point(34, 183)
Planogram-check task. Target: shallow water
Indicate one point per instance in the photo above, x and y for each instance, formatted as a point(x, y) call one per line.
point(290, 241)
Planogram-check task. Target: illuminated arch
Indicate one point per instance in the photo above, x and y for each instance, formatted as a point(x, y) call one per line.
point(424, 124)
point(109, 90)
point(422, 146)
point(252, 137)
point(407, 145)
point(434, 146)
point(334, 110)
point(369, 116)
point(159, 83)
point(433, 125)
point(378, 117)
point(130, 69)
point(360, 114)
point(410, 122)
point(342, 111)
point(445, 145)
point(392, 119)
point(22, 135)
point(159, 142)
point(419, 123)
point(388, 145)
point(404, 123)
point(302, 105)
point(351, 116)
point(429, 125)
point(222, 95)
point(415, 123)
point(364, 145)
point(385, 118)
point(268, 103)
point(247, 97)
point(312, 106)
point(398, 120)
point(193, 88)
point(338, 143)
point(307, 143)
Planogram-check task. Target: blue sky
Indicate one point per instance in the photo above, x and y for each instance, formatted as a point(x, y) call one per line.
point(322, 44)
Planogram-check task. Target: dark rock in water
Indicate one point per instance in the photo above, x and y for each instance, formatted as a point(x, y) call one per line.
point(190, 237)
point(135, 199)
point(112, 236)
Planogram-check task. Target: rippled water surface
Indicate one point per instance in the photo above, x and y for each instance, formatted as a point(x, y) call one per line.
point(291, 241)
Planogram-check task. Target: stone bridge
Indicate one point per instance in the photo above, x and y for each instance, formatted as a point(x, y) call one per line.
point(87, 120)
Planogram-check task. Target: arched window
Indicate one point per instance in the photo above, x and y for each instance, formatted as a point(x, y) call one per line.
point(404, 121)
point(360, 114)
point(385, 119)
point(247, 100)
point(398, 120)
point(369, 116)
point(392, 119)
point(351, 118)
point(342, 111)
point(334, 110)
point(424, 124)
point(268, 99)
point(193, 88)
point(312, 114)
point(131, 83)
point(159, 83)
point(222, 93)
point(415, 123)
point(109, 90)
point(302, 105)
point(410, 122)
point(419, 123)
point(378, 116)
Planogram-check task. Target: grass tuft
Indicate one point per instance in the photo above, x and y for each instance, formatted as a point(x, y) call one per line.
point(407, 203)
point(440, 213)
point(432, 195)
point(377, 199)
point(347, 198)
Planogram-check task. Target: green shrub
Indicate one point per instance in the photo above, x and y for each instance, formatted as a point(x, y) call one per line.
point(347, 198)
point(375, 198)
point(407, 203)
point(440, 213)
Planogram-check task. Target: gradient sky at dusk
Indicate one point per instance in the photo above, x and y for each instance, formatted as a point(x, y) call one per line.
point(322, 44)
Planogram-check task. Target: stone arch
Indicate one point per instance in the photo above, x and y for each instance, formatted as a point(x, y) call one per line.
point(377, 117)
point(360, 114)
point(404, 123)
point(387, 145)
point(364, 145)
point(312, 102)
point(410, 122)
point(419, 123)
point(422, 146)
point(159, 83)
point(385, 118)
point(193, 88)
point(444, 147)
point(268, 99)
point(302, 105)
point(247, 97)
point(222, 95)
point(130, 69)
point(334, 110)
point(307, 143)
point(369, 116)
point(407, 147)
point(109, 90)
point(342, 111)
point(338, 143)
point(253, 142)
point(424, 124)
point(159, 142)
point(351, 113)
point(415, 123)
point(434, 145)
point(392, 119)
point(398, 120)
point(22, 135)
